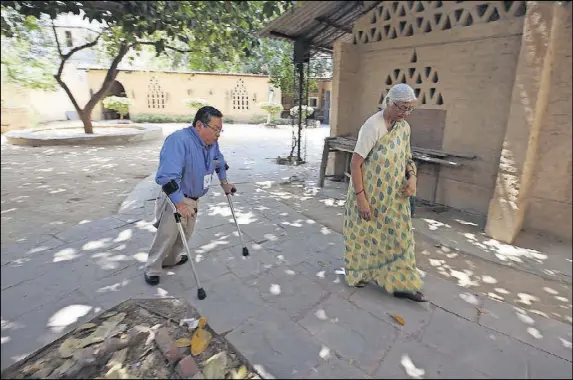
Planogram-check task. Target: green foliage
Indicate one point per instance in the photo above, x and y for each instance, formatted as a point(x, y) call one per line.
point(257, 119)
point(204, 32)
point(28, 53)
point(307, 111)
point(118, 104)
point(271, 108)
point(160, 118)
point(195, 104)
point(228, 120)
point(280, 121)
point(275, 58)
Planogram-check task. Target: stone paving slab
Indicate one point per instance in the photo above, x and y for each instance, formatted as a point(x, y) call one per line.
point(335, 368)
point(282, 347)
point(543, 333)
point(434, 363)
point(472, 345)
point(286, 306)
point(343, 327)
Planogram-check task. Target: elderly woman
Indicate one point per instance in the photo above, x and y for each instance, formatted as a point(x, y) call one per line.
point(378, 233)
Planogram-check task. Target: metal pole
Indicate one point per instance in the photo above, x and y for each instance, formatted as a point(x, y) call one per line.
point(300, 86)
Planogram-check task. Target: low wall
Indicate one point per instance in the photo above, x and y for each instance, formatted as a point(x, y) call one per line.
point(15, 118)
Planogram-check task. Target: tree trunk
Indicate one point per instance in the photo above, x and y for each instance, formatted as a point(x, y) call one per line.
point(86, 117)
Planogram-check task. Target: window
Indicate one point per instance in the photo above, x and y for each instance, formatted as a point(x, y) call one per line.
point(313, 102)
point(69, 40)
point(156, 97)
point(240, 96)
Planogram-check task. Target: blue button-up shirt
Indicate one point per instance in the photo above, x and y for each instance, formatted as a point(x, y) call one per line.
point(186, 159)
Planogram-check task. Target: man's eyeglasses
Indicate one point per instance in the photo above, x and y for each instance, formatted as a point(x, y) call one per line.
point(404, 109)
point(215, 129)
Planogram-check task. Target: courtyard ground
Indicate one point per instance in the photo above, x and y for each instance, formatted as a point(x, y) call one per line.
point(75, 237)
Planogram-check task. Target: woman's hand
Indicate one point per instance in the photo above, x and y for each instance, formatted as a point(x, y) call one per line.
point(363, 206)
point(408, 188)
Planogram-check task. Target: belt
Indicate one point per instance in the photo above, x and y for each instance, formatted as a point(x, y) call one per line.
point(190, 197)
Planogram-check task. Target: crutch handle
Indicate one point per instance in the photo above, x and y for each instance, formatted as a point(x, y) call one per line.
point(217, 169)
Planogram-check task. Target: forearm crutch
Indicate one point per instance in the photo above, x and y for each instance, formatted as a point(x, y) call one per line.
point(169, 188)
point(233, 190)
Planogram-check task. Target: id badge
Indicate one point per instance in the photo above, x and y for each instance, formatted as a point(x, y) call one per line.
point(207, 181)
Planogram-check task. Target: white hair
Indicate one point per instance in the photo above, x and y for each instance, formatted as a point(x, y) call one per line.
point(398, 93)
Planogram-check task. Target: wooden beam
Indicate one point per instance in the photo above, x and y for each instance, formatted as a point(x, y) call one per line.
point(293, 39)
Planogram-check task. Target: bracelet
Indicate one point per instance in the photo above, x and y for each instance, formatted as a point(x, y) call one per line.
point(361, 191)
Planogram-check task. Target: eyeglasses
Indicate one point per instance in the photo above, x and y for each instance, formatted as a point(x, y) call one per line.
point(404, 109)
point(215, 129)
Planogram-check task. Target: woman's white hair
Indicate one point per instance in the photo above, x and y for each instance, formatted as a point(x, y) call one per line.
point(398, 93)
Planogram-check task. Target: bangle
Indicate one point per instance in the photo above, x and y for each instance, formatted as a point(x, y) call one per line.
point(361, 191)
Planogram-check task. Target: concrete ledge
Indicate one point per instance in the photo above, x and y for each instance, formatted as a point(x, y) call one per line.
point(124, 133)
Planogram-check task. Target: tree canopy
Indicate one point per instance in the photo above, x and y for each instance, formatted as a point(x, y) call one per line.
point(209, 31)
point(28, 57)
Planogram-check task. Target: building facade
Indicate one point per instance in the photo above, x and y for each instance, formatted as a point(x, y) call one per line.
point(493, 79)
point(238, 96)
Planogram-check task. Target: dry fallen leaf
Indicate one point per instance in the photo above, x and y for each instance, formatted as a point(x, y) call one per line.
point(398, 319)
point(240, 373)
point(110, 314)
point(216, 366)
point(86, 326)
point(183, 342)
point(69, 346)
point(200, 341)
point(202, 322)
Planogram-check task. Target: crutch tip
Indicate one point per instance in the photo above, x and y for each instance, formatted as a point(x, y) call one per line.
point(201, 294)
point(245, 251)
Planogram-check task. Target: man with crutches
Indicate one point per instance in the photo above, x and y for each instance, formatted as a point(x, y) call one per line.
point(186, 167)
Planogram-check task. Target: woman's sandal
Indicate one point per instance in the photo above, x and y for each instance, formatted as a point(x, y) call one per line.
point(361, 284)
point(413, 296)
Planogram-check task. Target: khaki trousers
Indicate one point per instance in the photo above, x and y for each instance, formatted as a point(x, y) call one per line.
point(167, 246)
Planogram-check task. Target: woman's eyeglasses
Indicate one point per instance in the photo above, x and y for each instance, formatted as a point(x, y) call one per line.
point(404, 109)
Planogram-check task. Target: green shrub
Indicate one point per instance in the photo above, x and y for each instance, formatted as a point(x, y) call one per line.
point(228, 120)
point(159, 118)
point(258, 119)
point(280, 121)
point(195, 104)
point(307, 111)
point(118, 104)
point(272, 109)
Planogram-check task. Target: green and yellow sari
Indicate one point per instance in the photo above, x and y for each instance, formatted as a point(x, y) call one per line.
point(382, 249)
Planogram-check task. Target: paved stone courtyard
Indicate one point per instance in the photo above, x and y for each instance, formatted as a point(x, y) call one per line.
point(286, 307)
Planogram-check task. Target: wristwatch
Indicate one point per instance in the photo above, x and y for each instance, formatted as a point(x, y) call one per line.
point(224, 182)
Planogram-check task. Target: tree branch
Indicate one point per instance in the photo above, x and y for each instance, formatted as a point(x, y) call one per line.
point(57, 40)
point(66, 56)
point(70, 95)
point(109, 78)
point(151, 43)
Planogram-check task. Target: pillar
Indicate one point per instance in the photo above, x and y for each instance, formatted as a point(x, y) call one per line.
point(517, 164)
